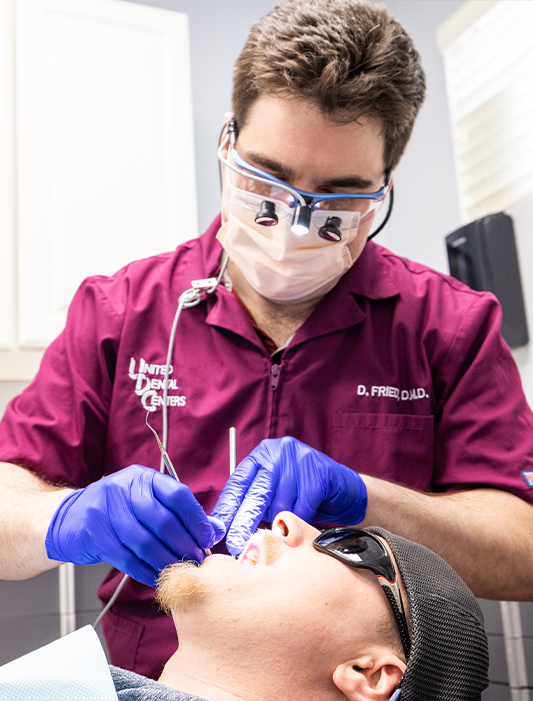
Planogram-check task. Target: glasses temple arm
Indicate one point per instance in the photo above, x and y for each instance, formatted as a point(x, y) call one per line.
point(399, 615)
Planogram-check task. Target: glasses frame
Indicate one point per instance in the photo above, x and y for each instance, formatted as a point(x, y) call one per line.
point(382, 567)
point(312, 199)
point(302, 198)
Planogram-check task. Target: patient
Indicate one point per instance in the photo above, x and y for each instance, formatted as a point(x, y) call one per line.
point(297, 619)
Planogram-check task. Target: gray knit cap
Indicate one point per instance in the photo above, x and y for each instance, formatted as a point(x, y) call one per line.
point(449, 656)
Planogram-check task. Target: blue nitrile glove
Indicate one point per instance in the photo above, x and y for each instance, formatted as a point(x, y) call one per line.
point(283, 474)
point(137, 520)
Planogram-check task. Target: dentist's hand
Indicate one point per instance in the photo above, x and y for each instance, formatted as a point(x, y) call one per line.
point(138, 520)
point(283, 474)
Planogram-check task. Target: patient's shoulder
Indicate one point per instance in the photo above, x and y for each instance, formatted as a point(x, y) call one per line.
point(134, 687)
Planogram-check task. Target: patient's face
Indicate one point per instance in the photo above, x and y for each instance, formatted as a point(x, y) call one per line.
point(280, 589)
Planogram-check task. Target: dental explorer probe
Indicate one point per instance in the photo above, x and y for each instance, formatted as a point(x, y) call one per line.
point(232, 450)
point(168, 463)
point(170, 467)
point(232, 453)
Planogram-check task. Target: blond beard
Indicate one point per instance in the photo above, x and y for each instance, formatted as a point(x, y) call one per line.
point(183, 584)
point(179, 586)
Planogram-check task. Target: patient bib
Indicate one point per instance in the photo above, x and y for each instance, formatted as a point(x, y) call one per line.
point(72, 668)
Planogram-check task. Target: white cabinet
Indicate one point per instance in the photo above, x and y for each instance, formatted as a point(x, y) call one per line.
point(104, 170)
point(7, 176)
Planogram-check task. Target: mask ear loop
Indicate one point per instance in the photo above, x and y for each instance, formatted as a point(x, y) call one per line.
point(223, 141)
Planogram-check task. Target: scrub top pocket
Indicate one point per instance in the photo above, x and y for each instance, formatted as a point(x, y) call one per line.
point(397, 447)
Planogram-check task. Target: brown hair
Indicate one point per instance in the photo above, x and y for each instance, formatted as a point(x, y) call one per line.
point(349, 57)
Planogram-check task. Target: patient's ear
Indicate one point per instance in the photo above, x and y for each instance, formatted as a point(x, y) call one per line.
point(372, 676)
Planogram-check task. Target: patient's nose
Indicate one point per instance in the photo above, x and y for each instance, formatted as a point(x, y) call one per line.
point(293, 530)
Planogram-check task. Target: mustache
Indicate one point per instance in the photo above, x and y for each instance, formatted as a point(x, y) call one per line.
point(182, 584)
point(179, 586)
point(270, 545)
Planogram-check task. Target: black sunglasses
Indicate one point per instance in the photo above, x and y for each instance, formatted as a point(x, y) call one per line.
point(361, 550)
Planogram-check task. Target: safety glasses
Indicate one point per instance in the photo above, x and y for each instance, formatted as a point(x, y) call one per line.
point(349, 201)
point(361, 550)
point(272, 189)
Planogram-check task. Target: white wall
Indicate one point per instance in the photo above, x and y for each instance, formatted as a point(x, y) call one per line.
point(218, 30)
point(426, 202)
point(523, 223)
point(9, 390)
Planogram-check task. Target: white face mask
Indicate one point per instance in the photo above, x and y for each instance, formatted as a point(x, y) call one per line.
point(275, 261)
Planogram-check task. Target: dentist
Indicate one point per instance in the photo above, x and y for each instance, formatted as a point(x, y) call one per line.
point(365, 388)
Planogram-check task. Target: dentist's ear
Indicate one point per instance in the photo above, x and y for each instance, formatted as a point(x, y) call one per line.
point(223, 134)
point(227, 117)
point(374, 676)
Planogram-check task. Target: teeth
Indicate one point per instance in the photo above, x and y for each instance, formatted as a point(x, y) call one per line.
point(252, 556)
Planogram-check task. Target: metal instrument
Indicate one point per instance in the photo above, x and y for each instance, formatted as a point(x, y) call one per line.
point(168, 462)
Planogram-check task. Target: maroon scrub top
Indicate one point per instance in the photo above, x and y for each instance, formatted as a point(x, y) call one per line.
point(400, 372)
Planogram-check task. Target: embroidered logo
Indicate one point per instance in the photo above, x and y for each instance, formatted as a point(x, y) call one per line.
point(150, 389)
point(528, 477)
point(401, 395)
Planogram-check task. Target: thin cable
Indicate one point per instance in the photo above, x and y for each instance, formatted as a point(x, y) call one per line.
point(189, 298)
point(111, 601)
point(389, 212)
point(181, 305)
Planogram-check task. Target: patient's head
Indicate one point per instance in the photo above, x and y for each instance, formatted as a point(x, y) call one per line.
point(287, 620)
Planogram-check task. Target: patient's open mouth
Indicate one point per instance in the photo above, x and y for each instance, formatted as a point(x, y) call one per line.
point(263, 548)
point(250, 555)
